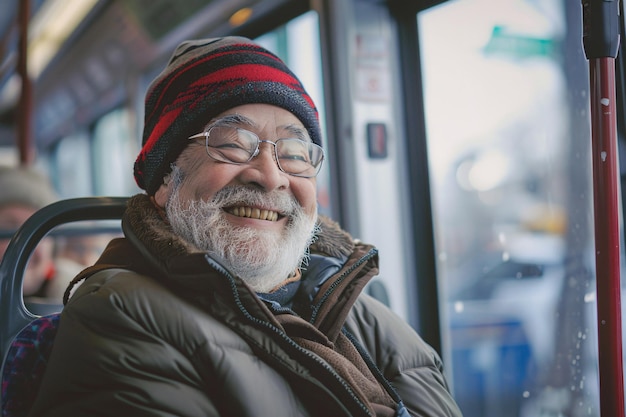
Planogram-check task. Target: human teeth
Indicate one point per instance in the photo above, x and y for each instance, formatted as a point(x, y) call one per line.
point(254, 213)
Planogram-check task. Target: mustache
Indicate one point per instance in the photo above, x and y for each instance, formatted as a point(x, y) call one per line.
point(233, 195)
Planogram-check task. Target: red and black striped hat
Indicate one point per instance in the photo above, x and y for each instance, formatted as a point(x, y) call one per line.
point(203, 79)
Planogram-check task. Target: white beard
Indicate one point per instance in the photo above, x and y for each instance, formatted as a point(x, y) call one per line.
point(261, 258)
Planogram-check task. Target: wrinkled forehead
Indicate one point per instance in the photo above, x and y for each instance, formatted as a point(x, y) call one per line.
point(262, 118)
point(290, 130)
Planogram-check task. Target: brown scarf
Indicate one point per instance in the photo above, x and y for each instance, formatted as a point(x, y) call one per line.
point(344, 358)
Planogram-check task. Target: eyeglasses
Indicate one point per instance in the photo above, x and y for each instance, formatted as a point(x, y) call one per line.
point(234, 145)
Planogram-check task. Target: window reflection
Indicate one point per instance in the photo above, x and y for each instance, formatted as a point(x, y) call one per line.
point(114, 152)
point(508, 140)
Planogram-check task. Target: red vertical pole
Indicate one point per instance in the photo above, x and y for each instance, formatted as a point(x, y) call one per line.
point(25, 109)
point(607, 243)
point(601, 42)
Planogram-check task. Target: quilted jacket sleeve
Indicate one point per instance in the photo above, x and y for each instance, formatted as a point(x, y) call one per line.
point(412, 367)
point(120, 351)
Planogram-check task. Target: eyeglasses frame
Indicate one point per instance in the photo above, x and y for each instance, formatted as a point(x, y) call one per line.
point(257, 150)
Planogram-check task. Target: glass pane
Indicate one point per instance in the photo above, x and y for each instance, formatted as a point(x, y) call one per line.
point(506, 99)
point(72, 162)
point(114, 150)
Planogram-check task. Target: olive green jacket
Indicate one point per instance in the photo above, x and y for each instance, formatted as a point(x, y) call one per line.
point(160, 329)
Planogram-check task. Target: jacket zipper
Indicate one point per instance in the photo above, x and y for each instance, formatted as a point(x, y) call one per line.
point(359, 347)
point(369, 255)
point(373, 367)
point(286, 338)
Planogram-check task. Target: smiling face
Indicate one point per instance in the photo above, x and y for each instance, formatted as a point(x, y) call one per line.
point(253, 218)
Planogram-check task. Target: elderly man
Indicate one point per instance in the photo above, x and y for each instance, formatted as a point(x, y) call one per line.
point(229, 295)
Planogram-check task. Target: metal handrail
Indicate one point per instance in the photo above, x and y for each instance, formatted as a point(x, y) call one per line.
point(13, 313)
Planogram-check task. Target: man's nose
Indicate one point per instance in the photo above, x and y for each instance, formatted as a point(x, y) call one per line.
point(264, 169)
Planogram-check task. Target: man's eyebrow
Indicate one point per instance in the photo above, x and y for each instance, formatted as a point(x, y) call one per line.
point(231, 119)
point(297, 132)
point(236, 119)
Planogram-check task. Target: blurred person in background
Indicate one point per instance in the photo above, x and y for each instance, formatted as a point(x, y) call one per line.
point(23, 191)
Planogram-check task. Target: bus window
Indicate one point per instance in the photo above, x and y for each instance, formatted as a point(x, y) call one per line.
point(115, 148)
point(72, 165)
point(506, 98)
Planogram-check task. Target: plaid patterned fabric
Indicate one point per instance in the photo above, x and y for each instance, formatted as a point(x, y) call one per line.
point(25, 364)
point(203, 79)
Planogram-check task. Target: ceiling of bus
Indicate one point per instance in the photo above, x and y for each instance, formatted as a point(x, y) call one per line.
point(145, 30)
point(155, 17)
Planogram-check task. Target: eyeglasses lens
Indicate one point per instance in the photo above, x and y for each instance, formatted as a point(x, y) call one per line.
point(235, 145)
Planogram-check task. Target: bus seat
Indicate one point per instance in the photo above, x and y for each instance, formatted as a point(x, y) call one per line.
point(25, 364)
point(27, 336)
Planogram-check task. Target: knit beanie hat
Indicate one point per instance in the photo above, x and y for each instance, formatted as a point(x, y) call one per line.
point(203, 79)
point(26, 187)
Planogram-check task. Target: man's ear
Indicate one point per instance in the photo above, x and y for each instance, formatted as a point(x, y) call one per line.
point(162, 194)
